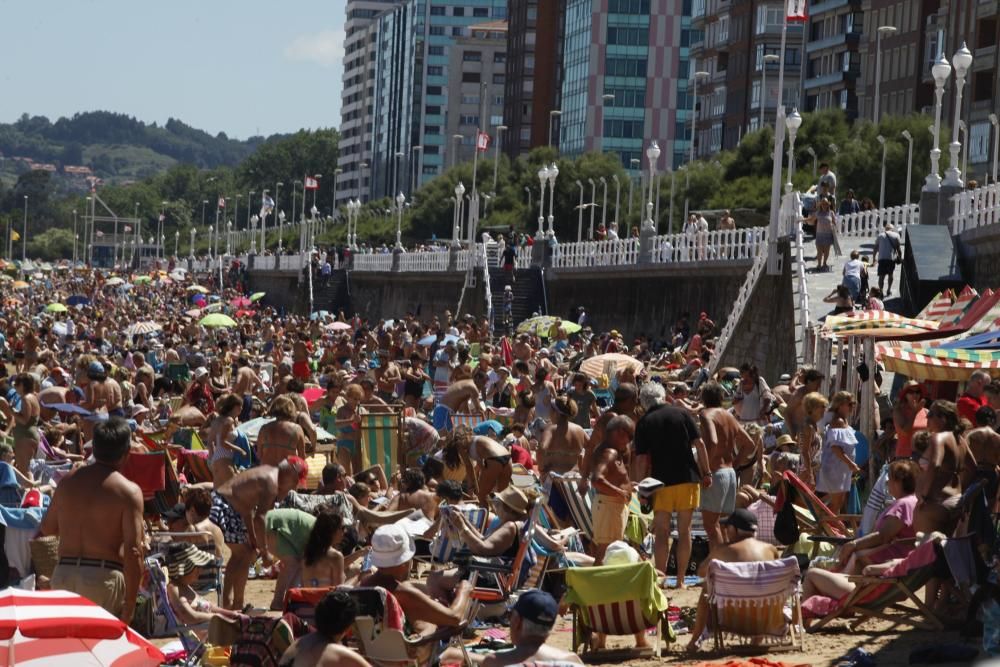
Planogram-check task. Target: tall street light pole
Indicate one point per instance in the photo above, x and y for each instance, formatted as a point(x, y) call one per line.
point(496, 155)
point(593, 205)
point(652, 157)
point(618, 191)
point(543, 178)
point(962, 60)
point(694, 132)
point(553, 173)
point(24, 233)
point(909, 163)
point(604, 202)
point(881, 192)
point(555, 113)
point(883, 31)
point(768, 59)
point(634, 163)
point(996, 143)
point(579, 215)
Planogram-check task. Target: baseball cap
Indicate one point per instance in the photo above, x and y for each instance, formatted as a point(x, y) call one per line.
point(200, 372)
point(536, 606)
point(741, 519)
point(96, 368)
point(300, 467)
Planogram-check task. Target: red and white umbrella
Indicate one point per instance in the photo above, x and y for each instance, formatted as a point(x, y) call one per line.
point(339, 326)
point(54, 628)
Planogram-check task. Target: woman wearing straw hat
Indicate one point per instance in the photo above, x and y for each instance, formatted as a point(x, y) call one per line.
point(184, 562)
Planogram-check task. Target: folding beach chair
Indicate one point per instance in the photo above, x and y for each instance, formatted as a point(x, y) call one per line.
point(747, 600)
point(381, 438)
point(824, 521)
point(301, 603)
point(875, 596)
point(193, 646)
point(195, 466)
point(148, 472)
point(580, 505)
point(616, 600)
point(180, 372)
point(210, 576)
point(445, 545)
point(378, 628)
point(468, 419)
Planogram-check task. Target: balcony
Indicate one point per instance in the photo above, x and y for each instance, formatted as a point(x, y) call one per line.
point(824, 80)
point(848, 39)
point(824, 6)
point(986, 8)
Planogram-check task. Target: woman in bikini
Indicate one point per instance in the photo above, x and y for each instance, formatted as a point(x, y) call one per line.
point(349, 428)
point(283, 437)
point(562, 443)
point(23, 424)
point(494, 470)
point(222, 439)
point(945, 464)
point(323, 565)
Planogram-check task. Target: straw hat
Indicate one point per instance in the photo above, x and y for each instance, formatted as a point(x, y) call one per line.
point(514, 499)
point(183, 557)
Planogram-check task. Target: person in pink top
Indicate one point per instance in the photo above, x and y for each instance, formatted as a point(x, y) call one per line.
point(909, 416)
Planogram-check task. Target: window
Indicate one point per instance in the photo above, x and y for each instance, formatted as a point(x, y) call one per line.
point(435, 70)
point(769, 17)
point(472, 56)
point(432, 129)
point(469, 120)
point(458, 11)
point(628, 36)
point(429, 170)
point(628, 6)
point(470, 77)
point(435, 50)
point(722, 30)
point(433, 90)
point(982, 86)
point(432, 110)
point(470, 99)
point(480, 11)
point(626, 67)
point(499, 79)
point(623, 129)
point(499, 57)
point(755, 95)
point(437, 11)
point(431, 150)
point(437, 30)
point(628, 97)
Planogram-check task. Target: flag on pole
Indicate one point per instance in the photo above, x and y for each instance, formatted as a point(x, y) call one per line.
point(222, 202)
point(266, 205)
point(311, 183)
point(162, 217)
point(483, 142)
point(127, 229)
point(14, 236)
point(795, 11)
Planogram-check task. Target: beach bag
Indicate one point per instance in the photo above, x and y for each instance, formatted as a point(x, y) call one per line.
point(854, 499)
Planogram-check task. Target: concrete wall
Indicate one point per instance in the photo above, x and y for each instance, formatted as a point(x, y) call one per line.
point(980, 252)
point(390, 295)
point(282, 290)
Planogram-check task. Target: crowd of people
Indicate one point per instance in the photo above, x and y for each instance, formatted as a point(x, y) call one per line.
point(99, 369)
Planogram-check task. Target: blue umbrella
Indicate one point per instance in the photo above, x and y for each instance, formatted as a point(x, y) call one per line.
point(487, 427)
point(429, 340)
point(77, 299)
point(318, 314)
point(196, 298)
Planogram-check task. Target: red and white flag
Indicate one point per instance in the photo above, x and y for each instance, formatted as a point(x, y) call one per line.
point(127, 229)
point(162, 217)
point(795, 11)
point(483, 142)
point(222, 202)
point(311, 183)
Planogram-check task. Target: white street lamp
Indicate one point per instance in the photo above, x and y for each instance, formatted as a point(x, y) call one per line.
point(593, 205)
point(962, 60)
point(881, 191)
point(909, 163)
point(996, 144)
point(634, 164)
point(941, 70)
point(964, 130)
point(459, 192)
point(883, 31)
point(792, 123)
point(812, 153)
point(543, 178)
point(769, 58)
point(604, 203)
point(400, 200)
point(553, 173)
point(496, 154)
point(618, 191)
point(177, 242)
point(652, 157)
point(579, 209)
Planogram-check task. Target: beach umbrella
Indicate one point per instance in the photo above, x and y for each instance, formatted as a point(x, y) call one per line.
point(542, 326)
point(429, 340)
point(198, 298)
point(313, 394)
point(178, 274)
point(20, 284)
point(55, 308)
point(257, 296)
point(217, 320)
point(62, 628)
point(12, 301)
point(77, 299)
point(142, 328)
point(251, 429)
point(194, 312)
point(339, 326)
point(114, 282)
point(319, 314)
point(243, 312)
point(197, 288)
point(212, 308)
point(4, 278)
point(140, 280)
point(59, 329)
point(594, 367)
point(241, 302)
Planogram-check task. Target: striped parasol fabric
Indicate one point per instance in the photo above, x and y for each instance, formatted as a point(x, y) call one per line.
point(938, 306)
point(62, 628)
point(962, 303)
point(142, 328)
point(889, 326)
point(921, 366)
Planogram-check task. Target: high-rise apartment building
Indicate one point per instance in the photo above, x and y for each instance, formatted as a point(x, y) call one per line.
point(414, 103)
point(730, 43)
point(356, 97)
point(621, 63)
point(533, 68)
point(833, 61)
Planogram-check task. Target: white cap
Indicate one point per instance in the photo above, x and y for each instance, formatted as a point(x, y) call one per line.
point(392, 546)
point(200, 372)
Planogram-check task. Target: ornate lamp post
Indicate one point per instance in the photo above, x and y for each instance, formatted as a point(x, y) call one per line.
point(909, 163)
point(940, 71)
point(652, 156)
point(793, 122)
point(553, 173)
point(579, 209)
point(543, 177)
point(881, 192)
point(962, 60)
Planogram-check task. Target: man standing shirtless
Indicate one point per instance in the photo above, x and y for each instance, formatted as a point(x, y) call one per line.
point(97, 514)
point(245, 384)
point(611, 482)
point(238, 509)
point(459, 395)
point(724, 440)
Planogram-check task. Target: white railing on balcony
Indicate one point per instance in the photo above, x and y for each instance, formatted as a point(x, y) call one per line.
point(424, 261)
point(719, 245)
point(618, 252)
point(976, 208)
point(374, 262)
point(869, 223)
point(462, 260)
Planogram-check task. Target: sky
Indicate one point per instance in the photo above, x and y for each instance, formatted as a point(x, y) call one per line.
point(243, 67)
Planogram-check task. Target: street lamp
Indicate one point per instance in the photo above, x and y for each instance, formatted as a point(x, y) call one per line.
point(793, 122)
point(400, 200)
point(962, 60)
point(769, 58)
point(964, 130)
point(634, 164)
point(881, 192)
point(395, 173)
point(593, 205)
point(941, 70)
point(177, 242)
point(883, 31)
point(496, 154)
point(604, 202)
point(618, 191)
point(455, 139)
point(996, 143)
point(579, 209)
point(553, 172)
point(543, 178)
point(812, 153)
point(191, 248)
point(555, 113)
point(909, 162)
point(605, 99)
point(652, 157)
point(694, 130)
point(24, 233)
point(459, 191)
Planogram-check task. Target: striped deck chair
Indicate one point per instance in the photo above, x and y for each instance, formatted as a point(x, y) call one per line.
point(747, 600)
point(209, 576)
point(444, 545)
point(466, 419)
point(194, 647)
point(301, 603)
point(196, 466)
point(825, 521)
point(875, 596)
point(197, 444)
point(616, 600)
point(580, 505)
point(381, 441)
point(315, 463)
point(170, 495)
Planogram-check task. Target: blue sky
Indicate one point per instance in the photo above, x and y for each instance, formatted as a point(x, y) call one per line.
point(239, 67)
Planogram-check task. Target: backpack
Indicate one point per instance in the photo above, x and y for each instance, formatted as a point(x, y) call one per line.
point(262, 642)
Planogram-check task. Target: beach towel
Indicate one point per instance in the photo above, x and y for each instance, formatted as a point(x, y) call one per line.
point(604, 584)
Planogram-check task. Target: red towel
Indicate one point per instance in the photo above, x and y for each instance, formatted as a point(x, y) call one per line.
point(148, 471)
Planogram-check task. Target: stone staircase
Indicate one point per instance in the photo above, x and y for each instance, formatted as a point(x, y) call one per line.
point(529, 296)
point(332, 294)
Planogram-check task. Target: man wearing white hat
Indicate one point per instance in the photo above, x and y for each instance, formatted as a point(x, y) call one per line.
point(392, 554)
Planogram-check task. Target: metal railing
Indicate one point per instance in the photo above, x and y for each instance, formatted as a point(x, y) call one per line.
point(373, 262)
point(976, 208)
point(869, 223)
point(802, 301)
point(618, 252)
point(424, 261)
point(484, 260)
point(717, 246)
point(746, 291)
